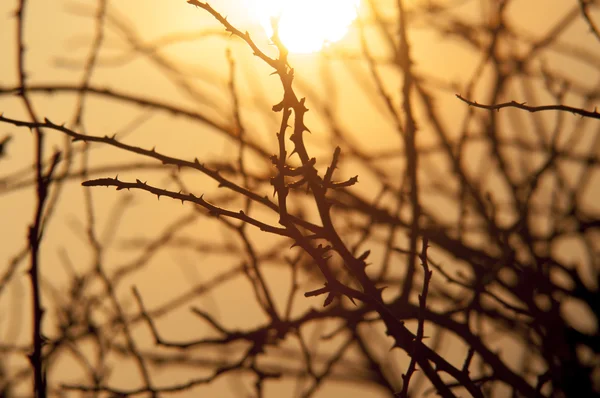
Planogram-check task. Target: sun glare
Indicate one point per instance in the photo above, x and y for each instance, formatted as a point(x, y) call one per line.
point(306, 26)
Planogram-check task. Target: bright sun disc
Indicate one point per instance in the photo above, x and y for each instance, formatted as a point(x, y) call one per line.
point(307, 25)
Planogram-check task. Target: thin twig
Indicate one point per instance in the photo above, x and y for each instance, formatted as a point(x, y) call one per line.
point(521, 105)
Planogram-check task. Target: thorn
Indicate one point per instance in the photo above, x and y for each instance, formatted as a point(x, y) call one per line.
point(395, 345)
point(364, 256)
point(329, 299)
point(278, 107)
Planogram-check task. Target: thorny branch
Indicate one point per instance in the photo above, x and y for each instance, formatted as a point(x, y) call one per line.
point(522, 105)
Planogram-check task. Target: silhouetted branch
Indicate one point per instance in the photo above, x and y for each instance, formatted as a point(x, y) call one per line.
point(585, 11)
point(513, 104)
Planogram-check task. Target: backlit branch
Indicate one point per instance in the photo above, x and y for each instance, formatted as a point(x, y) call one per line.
point(183, 197)
point(514, 104)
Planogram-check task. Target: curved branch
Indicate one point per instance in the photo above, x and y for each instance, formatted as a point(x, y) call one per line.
point(521, 105)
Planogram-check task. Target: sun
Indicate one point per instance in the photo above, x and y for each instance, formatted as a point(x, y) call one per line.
point(306, 26)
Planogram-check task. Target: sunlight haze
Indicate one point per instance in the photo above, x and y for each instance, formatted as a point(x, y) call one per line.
point(306, 26)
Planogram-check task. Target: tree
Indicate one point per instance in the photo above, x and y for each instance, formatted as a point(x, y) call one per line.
point(396, 238)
